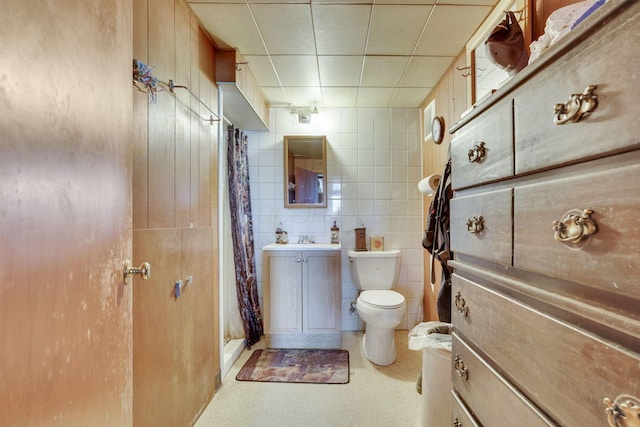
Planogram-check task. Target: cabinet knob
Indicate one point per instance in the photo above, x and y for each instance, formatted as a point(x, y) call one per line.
point(623, 412)
point(475, 225)
point(461, 370)
point(461, 304)
point(575, 226)
point(129, 270)
point(578, 106)
point(476, 154)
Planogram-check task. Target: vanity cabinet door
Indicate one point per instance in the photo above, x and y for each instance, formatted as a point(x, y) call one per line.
point(283, 293)
point(321, 296)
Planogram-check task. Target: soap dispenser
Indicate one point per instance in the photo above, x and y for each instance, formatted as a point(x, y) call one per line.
point(279, 234)
point(335, 234)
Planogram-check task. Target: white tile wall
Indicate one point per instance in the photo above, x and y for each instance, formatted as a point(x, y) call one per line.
point(373, 166)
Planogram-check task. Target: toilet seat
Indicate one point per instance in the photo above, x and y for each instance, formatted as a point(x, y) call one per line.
point(382, 299)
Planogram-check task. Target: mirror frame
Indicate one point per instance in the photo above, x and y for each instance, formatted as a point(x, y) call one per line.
point(321, 139)
point(478, 38)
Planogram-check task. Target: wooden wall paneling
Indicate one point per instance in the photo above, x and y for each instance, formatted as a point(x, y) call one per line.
point(196, 126)
point(187, 109)
point(162, 117)
point(200, 344)
point(210, 97)
point(157, 329)
point(460, 75)
point(140, 142)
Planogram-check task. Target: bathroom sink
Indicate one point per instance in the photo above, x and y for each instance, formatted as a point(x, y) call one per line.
point(302, 247)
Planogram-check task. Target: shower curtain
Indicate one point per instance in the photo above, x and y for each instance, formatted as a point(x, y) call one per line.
point(242, 235)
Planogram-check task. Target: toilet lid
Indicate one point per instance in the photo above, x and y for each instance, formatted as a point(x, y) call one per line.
point(382, 298)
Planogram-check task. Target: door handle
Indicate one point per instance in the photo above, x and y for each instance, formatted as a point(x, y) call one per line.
point(144, 271)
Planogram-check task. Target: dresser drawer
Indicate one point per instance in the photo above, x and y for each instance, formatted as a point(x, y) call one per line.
point(488, 393)
point(489, 211)
point(494, 131)
point(460, 413)
point(610, 59)
point(538, 353)
point(608, 260)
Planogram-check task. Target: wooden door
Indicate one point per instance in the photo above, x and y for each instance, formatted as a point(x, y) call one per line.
point(65, 213)
point(307, 186)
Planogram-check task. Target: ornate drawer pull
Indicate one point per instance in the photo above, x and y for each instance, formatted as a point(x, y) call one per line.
point(456, 422)
point(461, 370)
point(575, 226)
point(475, 225)
point(476, 154)
point(461, 304)
point(623, 412)
point(579, 105)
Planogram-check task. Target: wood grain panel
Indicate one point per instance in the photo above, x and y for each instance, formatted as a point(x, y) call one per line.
point(460, 413)
point(609, 260)
point(184, 114)
point(493, 243)
point(140, 183)
point(496, 131)
point(612, 127)
point(209, 95)
point(488, 393)
point(162, 117)
point(538, 352)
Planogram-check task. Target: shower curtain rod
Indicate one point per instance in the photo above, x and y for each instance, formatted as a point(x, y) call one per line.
point(172, 86)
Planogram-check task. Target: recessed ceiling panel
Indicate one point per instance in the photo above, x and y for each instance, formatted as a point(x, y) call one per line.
point(374, 96)
point(304, 96)
point(340, 70)
point(341, 29)
point(262, 70)
point(408, 97)
point(449, 29)
point(339, 96)
point(297, 70)
point(383, 70)
point(286, 28)
point(425, 71)
point(239, 32)
point(395, 29)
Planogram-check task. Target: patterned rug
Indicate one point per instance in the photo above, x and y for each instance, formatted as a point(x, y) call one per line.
point(297, 366)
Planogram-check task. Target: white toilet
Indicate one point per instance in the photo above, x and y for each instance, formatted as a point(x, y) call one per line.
point(375, 273)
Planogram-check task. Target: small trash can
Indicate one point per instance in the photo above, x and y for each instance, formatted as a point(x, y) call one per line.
point(434, 339)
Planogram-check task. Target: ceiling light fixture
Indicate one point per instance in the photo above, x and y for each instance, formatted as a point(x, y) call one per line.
point(304, 113)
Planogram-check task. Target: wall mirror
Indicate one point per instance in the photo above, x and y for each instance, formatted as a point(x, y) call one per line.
point(486, 77)
point(305, 171)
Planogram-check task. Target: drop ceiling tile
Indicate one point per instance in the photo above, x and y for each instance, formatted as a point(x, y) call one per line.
point(304, 96)
point(275, 95)
point(286, 28)
point(239, 32)
point(395, 29)
point(262, 70)
point(383, 70)
point(297, 70)
point(339, 96)
point(340, 70)
point(374, 96)
point(341, 29)
point(449, 29)
point(409, 97)
point(425, 71)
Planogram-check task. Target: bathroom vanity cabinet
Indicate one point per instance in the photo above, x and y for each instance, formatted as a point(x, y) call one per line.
point(302, 296)
point(545, 234)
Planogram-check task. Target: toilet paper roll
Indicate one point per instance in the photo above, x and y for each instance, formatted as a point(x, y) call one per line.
point(429, 184)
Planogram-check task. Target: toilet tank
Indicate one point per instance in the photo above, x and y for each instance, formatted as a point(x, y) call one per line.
point(374, 269)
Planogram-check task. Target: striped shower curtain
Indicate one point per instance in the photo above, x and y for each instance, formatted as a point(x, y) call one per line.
point(242, 234)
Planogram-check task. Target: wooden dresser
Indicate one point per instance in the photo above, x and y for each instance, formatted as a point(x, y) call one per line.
point(545, 230)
